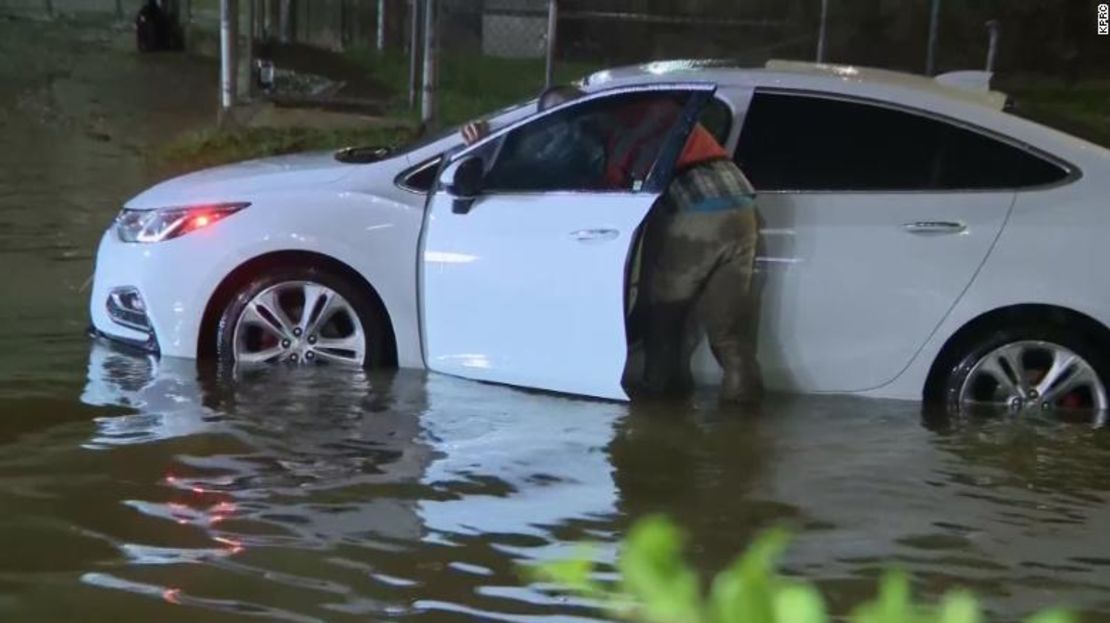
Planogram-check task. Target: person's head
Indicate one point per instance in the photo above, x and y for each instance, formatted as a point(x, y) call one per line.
point(558, 94)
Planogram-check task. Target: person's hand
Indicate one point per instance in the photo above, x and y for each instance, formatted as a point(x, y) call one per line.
point(474, 131)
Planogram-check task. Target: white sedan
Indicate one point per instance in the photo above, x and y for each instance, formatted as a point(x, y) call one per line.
point(918, 242)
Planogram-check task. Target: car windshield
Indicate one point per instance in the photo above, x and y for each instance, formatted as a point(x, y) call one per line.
point(491, 118)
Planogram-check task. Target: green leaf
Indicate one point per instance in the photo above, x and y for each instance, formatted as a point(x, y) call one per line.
point(573, 573)
point(893, 603)
point(959, 607)
point(1055, 615)
point(655, 575)
point(799, 603)
point(744, 593)
point(657, 586)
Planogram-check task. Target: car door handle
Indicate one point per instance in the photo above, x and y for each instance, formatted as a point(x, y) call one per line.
point(594, 235)
point(935, 227)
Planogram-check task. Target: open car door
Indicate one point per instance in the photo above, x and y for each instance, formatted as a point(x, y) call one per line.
point(527, 236)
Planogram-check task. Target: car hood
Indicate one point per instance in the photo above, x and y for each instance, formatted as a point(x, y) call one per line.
point(232, 182)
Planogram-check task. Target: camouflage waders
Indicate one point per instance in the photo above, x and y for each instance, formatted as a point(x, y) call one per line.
point(704, 257)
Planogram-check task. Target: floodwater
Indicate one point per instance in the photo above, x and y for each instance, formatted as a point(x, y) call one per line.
point(138, 489)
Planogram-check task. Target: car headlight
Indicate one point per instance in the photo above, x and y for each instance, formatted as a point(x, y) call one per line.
point(166, 223)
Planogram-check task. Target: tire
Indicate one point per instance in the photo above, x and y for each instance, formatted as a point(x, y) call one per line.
point(976, 376)
point(278, 286)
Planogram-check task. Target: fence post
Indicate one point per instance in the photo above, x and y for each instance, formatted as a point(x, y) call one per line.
point(229, 68)
point(431, 51)
point(552, 37)
point(119, 10)
point(50, 8)
point(993, 27)
point(303, 24)
point(246, 90)
point(414, 53)
point(822, 31)
point(285, 20)
point(185, 18)
point(931, 52)
point(381, 26)
point(264, 21)
point(343, 21)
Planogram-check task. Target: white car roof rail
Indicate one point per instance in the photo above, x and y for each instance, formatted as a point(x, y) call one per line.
point(971, 86)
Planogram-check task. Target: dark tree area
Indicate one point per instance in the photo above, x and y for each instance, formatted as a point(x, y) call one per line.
point(1045, 36)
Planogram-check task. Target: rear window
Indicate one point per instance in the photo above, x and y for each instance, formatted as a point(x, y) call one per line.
point(807, 142)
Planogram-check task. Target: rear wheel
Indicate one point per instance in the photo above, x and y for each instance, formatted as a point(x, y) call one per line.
point(1030, 368)
point(303, 316)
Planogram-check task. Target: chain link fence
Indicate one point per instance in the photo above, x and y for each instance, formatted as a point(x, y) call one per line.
point(627, 31)
point(1039, 35)
point(495, 28)
point(510, 38)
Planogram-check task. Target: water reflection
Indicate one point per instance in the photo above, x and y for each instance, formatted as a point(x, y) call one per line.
point(374, 470)
point(314, 493)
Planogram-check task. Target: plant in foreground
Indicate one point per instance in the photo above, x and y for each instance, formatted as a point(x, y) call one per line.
point(656, 585)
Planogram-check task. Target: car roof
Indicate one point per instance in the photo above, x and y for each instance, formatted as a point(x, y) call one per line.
point(967, 87)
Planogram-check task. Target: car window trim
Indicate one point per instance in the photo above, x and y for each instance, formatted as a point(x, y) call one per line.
point(1073, 172)
point(400, 181)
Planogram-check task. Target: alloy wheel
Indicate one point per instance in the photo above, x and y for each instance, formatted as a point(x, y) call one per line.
point(1033, 375)
point(299, 322)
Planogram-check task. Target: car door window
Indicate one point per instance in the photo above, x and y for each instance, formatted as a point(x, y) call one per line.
point(716, 117)
point(806, 142)
point(606, 144)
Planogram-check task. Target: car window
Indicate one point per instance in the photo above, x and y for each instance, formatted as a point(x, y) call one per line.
point(806, 142)
point(606, 144)
point(420, 178)
point(972, 160)
point(716, 117)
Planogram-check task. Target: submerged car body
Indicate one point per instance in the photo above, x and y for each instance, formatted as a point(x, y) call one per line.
point(904, 219)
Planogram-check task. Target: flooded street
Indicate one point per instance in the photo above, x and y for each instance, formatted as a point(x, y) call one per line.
point(139, 489)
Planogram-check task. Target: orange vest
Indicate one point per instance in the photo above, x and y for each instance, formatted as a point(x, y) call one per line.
point(700, 147)
point(627, 148)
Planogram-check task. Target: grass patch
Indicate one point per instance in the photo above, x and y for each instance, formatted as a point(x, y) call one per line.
point(1082, 109)
point(470, 85)
point(210, 147)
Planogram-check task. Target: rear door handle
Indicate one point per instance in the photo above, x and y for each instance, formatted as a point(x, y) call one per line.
point(594, 235)
point(935, 227)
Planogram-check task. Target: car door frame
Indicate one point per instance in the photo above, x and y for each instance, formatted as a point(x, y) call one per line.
point(654, 182)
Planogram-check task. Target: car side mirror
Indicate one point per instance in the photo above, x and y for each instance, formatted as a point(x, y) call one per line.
point(463, 181)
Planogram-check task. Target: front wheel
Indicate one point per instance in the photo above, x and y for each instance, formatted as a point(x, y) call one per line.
point(1030, 368)
point(303, 316)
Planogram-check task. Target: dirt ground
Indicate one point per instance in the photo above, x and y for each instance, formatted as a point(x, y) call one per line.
point(84, 78)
